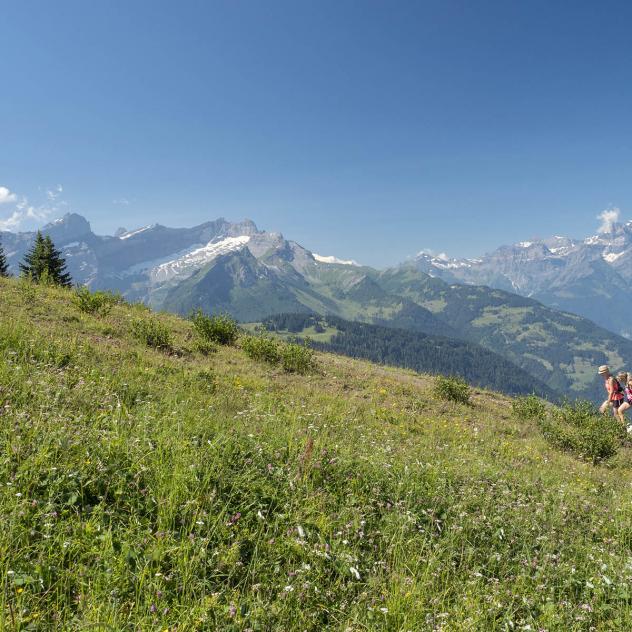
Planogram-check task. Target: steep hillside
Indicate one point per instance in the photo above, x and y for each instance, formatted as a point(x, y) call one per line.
point(559, 348)
point(412, 350)
point(171, 490)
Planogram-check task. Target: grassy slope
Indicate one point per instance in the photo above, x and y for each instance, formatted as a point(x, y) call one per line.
point(152, 491)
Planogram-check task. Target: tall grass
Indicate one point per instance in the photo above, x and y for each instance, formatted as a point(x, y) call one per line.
point(144, 491)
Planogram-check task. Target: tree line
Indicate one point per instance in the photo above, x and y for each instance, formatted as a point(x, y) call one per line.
point(43, 263)
point(426, 353)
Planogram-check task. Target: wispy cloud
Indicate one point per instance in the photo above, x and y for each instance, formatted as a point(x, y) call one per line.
point(26, 212)
point(433, 253)
point(6, 196)
point(609, 217)
point(53, 194)
point(121, 202)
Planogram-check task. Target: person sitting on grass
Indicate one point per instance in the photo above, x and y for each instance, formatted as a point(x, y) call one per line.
point(615, 393)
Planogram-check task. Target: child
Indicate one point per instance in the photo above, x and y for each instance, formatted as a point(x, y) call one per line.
point(625, 378)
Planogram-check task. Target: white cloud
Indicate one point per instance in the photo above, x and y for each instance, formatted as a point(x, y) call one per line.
point(54, 193)
point(6, 196)
point(121, 202)
point(24, 211)
point(608, 217)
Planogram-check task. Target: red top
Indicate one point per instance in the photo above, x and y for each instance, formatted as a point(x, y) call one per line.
point(614, 393)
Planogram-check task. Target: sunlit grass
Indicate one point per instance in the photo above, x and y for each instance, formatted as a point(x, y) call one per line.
point(153, 489)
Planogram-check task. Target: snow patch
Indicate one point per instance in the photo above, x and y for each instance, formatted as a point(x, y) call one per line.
point(196, 258)
point(332, 259)
point(525, 244)
point(136, 232)
point(611, 257)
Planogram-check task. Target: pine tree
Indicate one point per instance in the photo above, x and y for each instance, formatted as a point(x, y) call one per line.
point(56, 265)
point(4, 266)
point(44, 263)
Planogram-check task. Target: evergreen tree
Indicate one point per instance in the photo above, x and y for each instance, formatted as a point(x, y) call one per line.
point(4, 266)
point(44, 263)
point(56, 265)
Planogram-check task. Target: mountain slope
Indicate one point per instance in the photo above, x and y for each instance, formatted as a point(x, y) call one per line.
point(412, 350)
point(560, 349)
point(253, 274)
point(152, 491)
point(591, 277)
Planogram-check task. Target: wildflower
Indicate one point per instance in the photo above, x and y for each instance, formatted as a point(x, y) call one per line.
point(234, 519)
point(232, 610)
point(354, 572)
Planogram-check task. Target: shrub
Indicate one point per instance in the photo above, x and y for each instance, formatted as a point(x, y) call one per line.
point(99, 303)
point(580, 429)
point(452, 389)
point(204, 347)
point(152, 332)
point(297, 358)
point(529, 407)
point(261, 348)
point(220, 328)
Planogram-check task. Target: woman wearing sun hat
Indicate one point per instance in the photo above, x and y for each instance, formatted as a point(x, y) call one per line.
point(615, 393)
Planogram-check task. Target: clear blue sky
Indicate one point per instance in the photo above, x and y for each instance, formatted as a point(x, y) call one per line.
point(363, 129)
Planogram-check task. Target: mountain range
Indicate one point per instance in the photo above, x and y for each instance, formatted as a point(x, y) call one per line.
point(591, 277)
point(253, 274)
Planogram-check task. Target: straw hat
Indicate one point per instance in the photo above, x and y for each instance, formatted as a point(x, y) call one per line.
point(603, 369)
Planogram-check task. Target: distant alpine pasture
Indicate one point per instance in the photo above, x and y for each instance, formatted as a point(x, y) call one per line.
point(252, 274)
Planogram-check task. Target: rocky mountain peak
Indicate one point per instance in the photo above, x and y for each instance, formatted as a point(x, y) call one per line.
point(70, 227)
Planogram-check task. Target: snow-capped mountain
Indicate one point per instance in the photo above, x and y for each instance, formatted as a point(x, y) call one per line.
point(146, 263)
point(235, 267)
point(591, 276)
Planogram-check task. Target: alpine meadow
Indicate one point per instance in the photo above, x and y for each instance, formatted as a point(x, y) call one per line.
point(176, 483)
point(316, 316)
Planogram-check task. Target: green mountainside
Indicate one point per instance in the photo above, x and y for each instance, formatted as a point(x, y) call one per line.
point(556, 348)
point(561, 349)
point(250, 290)
point(412, 350)
point(181, 488)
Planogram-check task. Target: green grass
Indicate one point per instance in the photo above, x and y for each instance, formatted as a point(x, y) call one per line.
point(144, 490)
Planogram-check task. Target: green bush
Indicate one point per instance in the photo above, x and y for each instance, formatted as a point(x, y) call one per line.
point(528, 407)
point(220, 328)
point(297, 358)
point(98, 303)
point(580, 429)
point(261, 348)
point(452, 389)
point(152, 332)
point(204, 347)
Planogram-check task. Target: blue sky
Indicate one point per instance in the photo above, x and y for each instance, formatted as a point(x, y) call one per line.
point(369, 130)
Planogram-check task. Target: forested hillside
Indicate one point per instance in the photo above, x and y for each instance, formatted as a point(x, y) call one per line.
point(418, 351)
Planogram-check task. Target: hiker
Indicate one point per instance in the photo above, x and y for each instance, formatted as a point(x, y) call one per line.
point(615, 393)
point(625, 379)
